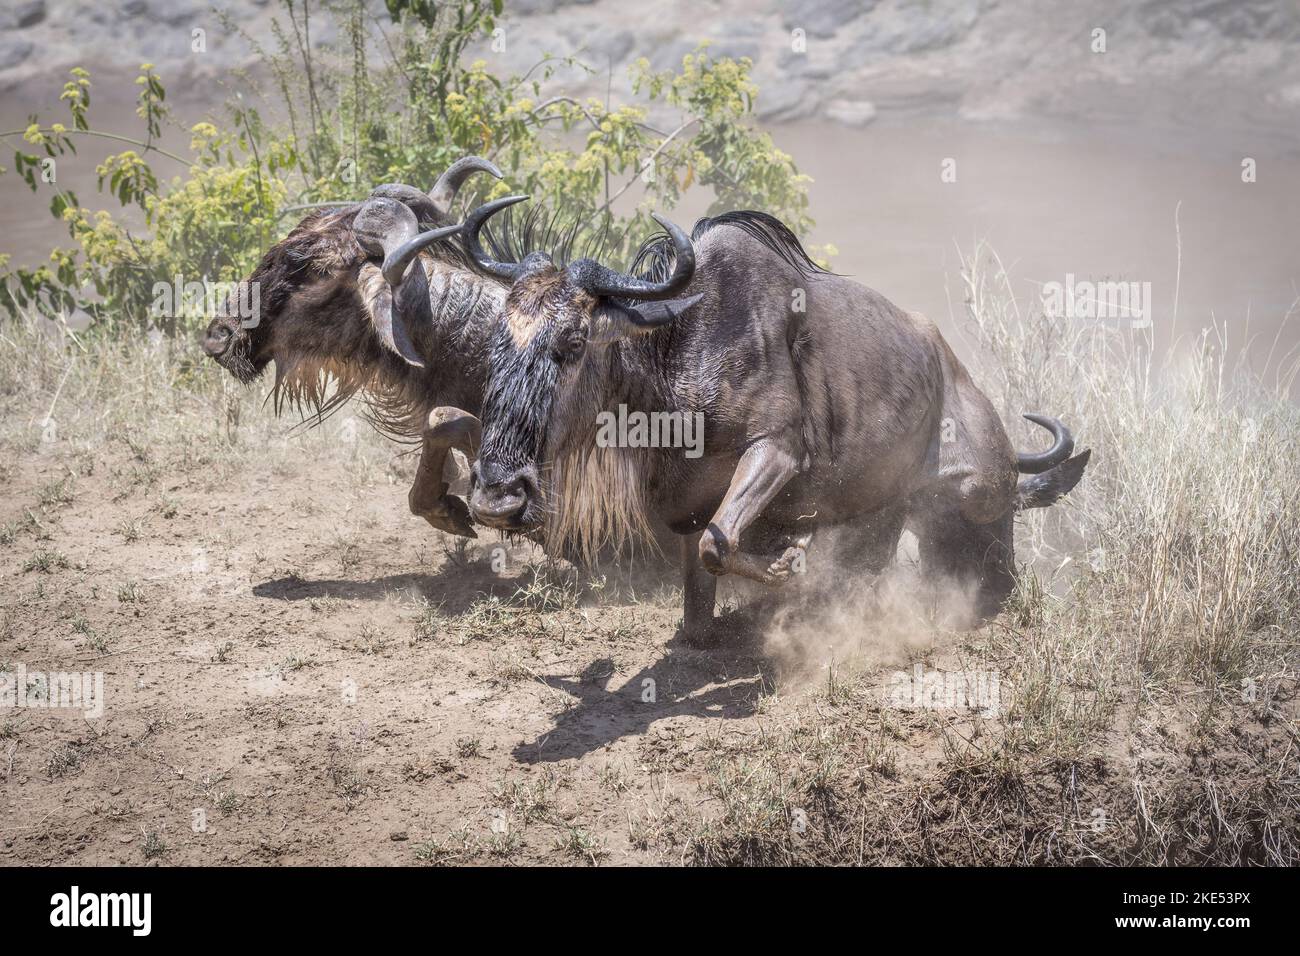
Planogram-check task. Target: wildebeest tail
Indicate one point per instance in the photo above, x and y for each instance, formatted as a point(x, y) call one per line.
point(1039, 491)
point(1034, 463)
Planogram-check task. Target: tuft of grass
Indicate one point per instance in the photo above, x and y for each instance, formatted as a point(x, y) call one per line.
point(370, 639)
point(349, 783)
point(153, 845)
point(581, 845)
point(94, 640)
point(65, 761)
point(426, 626)
point(528, 801)
point(130, 528)
point(45, 561)
point(291, 664)
point(57, 493)
point(228, 803)
point(347, 550)
point(546, 591)
point(456, 847)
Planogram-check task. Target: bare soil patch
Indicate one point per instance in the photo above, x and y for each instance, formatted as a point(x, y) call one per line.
point(297, 671)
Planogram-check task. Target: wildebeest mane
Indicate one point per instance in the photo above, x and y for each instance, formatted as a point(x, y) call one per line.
point(655, 259)
point(510, 237)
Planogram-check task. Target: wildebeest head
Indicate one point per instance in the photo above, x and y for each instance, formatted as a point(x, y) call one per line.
point(325, 293)
point(550, 352)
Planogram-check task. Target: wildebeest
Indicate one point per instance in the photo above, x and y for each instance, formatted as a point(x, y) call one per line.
point(340, 302)
point(824, 407)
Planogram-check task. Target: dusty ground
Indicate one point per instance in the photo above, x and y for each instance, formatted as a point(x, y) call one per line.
point(329, 681)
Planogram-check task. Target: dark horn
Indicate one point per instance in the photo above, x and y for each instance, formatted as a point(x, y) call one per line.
point(395, 262)
point(424, 208)
point(601, 280)
point(473, 223)
point(443, 193)
point(1033, 464)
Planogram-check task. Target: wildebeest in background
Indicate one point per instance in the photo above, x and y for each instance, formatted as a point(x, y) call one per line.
point(340, 303)
point(848, 414)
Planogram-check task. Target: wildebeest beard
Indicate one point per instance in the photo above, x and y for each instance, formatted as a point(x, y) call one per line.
point(238, 360)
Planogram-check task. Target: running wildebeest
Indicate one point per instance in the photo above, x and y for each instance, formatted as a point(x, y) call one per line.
point(824, 407)
point(340, 302)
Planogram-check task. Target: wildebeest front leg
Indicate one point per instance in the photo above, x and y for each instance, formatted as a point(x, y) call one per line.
point(760, 475)
point(699, 589)
point(447, 428)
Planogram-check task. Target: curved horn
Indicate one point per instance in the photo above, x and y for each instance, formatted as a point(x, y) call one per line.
point(613, 322)
point(443, 193)
point(424, 208)
point(387, 227)
point(384, 224)
point(1033, 464)
point(433, 206)
point(395, 262)
point(473, 223)
point(601, 280)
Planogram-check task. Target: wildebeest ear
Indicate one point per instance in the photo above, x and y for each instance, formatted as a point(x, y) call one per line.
point(611, 322)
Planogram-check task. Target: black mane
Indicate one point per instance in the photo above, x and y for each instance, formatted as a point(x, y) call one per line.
point(510, 237)
point(655, 259)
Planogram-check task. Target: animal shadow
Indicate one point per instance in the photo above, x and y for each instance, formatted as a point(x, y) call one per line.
point(454, 587)
point(723, 681)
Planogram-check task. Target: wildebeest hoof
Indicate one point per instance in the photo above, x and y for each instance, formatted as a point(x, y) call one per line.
point(711, 555)
point(452, 516)
point(790, 562)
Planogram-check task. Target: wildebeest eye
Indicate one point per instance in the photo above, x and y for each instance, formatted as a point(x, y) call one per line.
point(568, 345)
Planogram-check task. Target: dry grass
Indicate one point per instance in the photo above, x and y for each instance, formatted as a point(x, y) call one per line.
point(1176, 559)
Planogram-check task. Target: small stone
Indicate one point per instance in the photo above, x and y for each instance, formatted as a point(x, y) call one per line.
point(398, 836)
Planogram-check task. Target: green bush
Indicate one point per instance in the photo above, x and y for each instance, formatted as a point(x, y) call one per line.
point(400, 115)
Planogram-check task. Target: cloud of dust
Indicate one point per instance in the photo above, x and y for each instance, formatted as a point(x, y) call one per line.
point(833, 616)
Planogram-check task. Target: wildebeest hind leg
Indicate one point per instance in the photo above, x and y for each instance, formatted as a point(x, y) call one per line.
point(763, 470)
